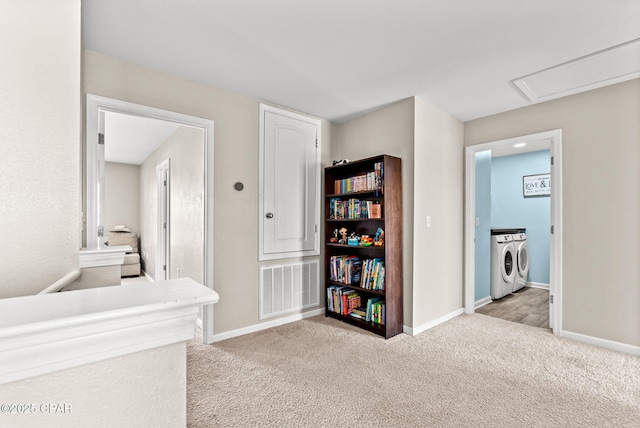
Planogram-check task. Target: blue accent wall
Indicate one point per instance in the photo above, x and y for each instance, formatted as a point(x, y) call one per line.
point(483, 225)
point(510, 209)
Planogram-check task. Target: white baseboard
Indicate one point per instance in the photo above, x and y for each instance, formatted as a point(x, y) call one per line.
point(602, 343)
point(147, 276)
point(412, 331)
point(266, 325)
point(538, 285)
point(483, 302)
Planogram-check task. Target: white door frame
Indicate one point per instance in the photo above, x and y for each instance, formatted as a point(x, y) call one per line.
point(94, 105)
point(555, 240)
point(163, 222)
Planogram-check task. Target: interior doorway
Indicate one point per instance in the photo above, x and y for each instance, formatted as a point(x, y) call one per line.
point(96, 107)
point(552, 140)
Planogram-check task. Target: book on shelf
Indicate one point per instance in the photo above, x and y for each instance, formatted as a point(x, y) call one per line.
point(354, 209)
point(375, 311)
point(345, 269)
point(371, 181)
point(375, 210)
point(372, 275)
point(342, 300)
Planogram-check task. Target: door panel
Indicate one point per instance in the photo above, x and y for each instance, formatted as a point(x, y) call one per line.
point(289, 184)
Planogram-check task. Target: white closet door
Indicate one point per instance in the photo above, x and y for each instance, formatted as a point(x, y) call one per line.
point(290, 181)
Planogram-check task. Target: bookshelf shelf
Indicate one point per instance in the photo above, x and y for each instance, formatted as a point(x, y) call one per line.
point(362, 247)
point(356, 287)
point(368, 193)
point(366, 325)
point(338, 220)
point(375, 271)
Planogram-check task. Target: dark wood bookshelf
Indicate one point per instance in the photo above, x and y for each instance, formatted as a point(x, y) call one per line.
point(390, 197)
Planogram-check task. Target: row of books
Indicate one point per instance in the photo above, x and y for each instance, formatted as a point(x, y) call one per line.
point(354, 209)
point(362, 183)
point(342, 300)
point(351, 270)
point(345, 269)
point(376, 311)
point(346, 301)
point(372, 276)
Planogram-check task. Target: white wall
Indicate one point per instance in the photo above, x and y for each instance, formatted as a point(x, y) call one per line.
point(121, 196)
point(40, 228)
point(601, 202)
point(438, 193)
point(430, 143)
point(185, 150)
point(390, 131)
point(236, 159)
point(144, 389)
point(39, 143)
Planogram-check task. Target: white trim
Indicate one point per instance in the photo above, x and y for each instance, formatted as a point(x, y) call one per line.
point(538, 285)
point(163, 214)
point(102, 256)
point(95, 104)
point(50, 332)
point(555, 244)
point(262, 256)
point(62, 282)
point(266, 325)
point(482, 302)
point(555, 240)
point(602, 343)
point(412, 331)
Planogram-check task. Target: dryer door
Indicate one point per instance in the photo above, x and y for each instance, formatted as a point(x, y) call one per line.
point(507, 263)
point(522, 259)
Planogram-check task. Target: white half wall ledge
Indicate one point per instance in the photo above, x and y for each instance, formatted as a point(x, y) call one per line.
point(103, 256)
point(50, 332)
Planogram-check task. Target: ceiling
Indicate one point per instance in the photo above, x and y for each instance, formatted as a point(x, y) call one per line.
point(131, 139)
point(338, 59)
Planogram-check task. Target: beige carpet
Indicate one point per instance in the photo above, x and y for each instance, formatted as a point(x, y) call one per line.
point(472, 371)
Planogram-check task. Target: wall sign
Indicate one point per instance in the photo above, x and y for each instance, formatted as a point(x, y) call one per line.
point(536, 185)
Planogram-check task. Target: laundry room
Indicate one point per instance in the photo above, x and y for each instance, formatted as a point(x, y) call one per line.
point(512, 205)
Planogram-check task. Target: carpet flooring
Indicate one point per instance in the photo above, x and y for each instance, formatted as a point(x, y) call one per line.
point(472, 371)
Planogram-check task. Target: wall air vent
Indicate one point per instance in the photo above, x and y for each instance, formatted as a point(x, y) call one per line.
point(606, 67)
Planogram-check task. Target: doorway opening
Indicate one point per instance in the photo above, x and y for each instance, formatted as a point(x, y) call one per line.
point(201, 234)
point(552, 141)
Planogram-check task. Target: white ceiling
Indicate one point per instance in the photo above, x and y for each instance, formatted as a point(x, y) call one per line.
point(338, 59)
point(131, 139)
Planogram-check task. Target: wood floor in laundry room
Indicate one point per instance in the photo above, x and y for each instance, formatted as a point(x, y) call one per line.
point(528, 306)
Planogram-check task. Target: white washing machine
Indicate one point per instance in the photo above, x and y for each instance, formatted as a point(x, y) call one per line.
point(521, 260)
point(503, 271)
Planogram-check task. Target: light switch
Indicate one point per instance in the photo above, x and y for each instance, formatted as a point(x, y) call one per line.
point(477, 221)
point(428, 221)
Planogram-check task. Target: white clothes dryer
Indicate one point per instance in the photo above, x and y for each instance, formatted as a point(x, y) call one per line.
point(521, 260)
point(502, 265)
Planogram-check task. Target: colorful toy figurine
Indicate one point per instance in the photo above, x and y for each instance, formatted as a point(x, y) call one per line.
point(343, 233)
point(378, 241)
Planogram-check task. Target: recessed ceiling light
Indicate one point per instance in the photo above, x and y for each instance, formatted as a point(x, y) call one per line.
point(606, 67)
point(519, 145)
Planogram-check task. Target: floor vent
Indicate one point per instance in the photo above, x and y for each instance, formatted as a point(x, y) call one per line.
point(289, 288)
